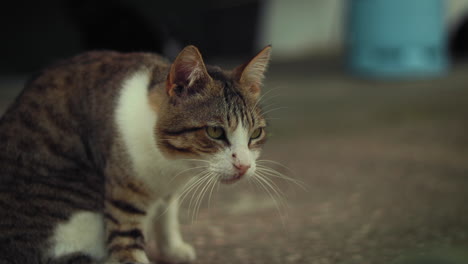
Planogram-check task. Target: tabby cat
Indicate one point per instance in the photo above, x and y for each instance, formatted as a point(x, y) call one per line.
point(95, 150)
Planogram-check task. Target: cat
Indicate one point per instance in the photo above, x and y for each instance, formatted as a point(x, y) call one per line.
point(96, 149)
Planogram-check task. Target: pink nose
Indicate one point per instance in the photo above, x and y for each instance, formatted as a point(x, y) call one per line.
point(242, 169)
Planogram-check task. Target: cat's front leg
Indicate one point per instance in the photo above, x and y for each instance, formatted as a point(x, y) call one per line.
point(170, 245)
point(125, 212)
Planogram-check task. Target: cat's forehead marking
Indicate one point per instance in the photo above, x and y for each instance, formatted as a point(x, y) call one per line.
point(238, 106)
point(237, 109)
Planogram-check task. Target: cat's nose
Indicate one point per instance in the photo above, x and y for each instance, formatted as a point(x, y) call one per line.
point(242, 168)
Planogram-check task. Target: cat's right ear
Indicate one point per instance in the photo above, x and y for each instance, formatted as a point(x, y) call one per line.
point(251, 74)
point(188, 73)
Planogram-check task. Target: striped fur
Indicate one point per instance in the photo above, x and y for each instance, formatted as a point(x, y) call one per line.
point(92, 146)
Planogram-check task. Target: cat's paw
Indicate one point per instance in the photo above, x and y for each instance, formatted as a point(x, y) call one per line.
point(178, 253)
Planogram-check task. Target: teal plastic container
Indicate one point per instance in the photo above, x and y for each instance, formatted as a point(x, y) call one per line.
point(396, 38)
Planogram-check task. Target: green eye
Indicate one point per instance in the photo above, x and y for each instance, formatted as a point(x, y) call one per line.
point(215, 132)
point(256, 134)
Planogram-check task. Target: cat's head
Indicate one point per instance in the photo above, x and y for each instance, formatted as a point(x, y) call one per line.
point(213, 115)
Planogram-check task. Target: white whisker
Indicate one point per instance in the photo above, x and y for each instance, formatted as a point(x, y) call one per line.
point(195, 190)
point(196, 160)
point(200, 197)
point(275, 200)
point(215, 182)
point(186, 170)
point(261, 98)
point(190, 187)
point(274, 188)
point(276, 174)
point(276, 163)
point(274, 109)
point(185, 188)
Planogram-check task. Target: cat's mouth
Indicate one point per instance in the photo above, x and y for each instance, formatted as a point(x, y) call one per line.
point(231, 180)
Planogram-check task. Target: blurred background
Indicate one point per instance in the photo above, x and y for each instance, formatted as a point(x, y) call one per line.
point(368, 108)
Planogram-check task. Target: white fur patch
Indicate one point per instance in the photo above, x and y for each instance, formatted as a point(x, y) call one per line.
point(84, 232)
point(136, 121)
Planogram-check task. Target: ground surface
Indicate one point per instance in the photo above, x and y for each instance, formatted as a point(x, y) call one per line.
point(385, 166)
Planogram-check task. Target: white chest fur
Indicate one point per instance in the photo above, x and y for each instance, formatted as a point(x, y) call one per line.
point(84, 232)
point(136, 122)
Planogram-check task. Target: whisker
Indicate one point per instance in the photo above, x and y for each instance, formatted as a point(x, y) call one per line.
point(189, 169)
point(196, 160)
point(189, 188)
point(267, 107)
point(195, 190)
point(274, 109)
point(262, 97)
point(186, 187)
point(277, 163)
point(276, 174)
point(280, 202)
point(281, 196)
point(215, 182)
point(263, 106)
point(262, 186)
point(199, 198)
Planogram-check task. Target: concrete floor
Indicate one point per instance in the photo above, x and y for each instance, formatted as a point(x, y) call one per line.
point(384, 165)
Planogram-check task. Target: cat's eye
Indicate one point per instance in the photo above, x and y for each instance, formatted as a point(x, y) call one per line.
point(257, 133)
point(215, 132)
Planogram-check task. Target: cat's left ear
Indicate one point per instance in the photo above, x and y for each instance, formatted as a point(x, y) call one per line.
point(251, 74)
point(188, 73)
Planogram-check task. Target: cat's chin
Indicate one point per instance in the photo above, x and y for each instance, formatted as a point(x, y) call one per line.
point(231, 180)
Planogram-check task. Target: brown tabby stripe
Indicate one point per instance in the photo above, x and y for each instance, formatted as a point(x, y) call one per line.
point(59, 120)
point(34, 168)
point(111, 218)
point(132, 233)
point(130, 247)
point(18, 238)
point(28, 121)
point(183, 131)
point(69, 188)
point(126, 207)
point(73, 259)
point(26, 232)
point(136, 189)
point(261, 141)
point(243, 110)
point(31, 212)
point(207, 150)
point(79, 195)
point(183, 150)
point(10, 227)
point(34, 197)
point(60, 151)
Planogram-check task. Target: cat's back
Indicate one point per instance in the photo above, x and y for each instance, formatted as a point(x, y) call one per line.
point(72, 98)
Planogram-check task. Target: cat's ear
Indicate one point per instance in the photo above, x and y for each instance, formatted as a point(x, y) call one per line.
point(188, 72)
point(251, 74)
